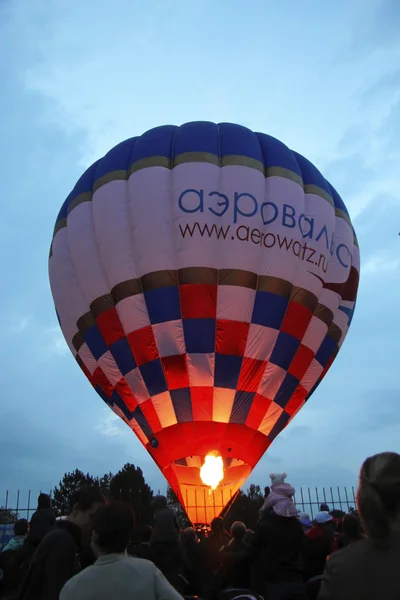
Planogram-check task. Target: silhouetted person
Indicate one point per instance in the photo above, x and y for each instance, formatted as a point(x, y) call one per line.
point(351, 531)
point(280, 497)
point(192, 557)
point(320, 543)
point(210, 548)
point(56, 559)
point(42, 521)
point(20, 532)
point(11, 560)
point(277, 546)
point(165, 540)
point(369, 569)
point(141, 549)
point(235, 565)
point(115, 575)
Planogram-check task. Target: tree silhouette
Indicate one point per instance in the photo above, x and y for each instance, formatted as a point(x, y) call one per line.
point(246, 507)
point(105, 483)
point(7, 516)
point(255, 495)
point(177, 507)
point(129, 485)
point(70, 483)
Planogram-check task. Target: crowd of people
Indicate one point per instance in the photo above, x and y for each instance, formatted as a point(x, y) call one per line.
point(96, 552)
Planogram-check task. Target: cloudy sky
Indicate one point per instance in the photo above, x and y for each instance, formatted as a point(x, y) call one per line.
point(77, 77)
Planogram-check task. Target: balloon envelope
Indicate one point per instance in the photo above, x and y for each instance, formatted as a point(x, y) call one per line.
point(204, 277)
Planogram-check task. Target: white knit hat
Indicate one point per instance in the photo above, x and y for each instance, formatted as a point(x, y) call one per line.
point(323, 517)
point(277, 478)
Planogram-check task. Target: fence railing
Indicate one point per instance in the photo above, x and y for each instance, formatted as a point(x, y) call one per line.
point(307, 499)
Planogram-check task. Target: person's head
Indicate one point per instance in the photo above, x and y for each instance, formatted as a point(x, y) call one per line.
point(159, 502)
point(277, 478)
point(189, 535)
point(44, 501)
point(324, 520)
point(324, 507)
point(145, 534)
point(378, 495)
point(305, 520)
point(217, 525)
point(83, 504)
point(267, 491)
point(21, 527)
point(238, 530)
point(351, 527)
point(113, 528)
point(249, 536)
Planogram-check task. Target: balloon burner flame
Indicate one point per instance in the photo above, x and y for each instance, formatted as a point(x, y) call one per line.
point(212, 471)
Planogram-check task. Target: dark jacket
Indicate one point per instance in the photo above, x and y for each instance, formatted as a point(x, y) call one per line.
point(320, 543)
point(42, 522)
point(10, 566)
point(210, 548)
point(365, 570)
point(166, 527)
point(234, 571)
point(277, 550)
point(54, 562)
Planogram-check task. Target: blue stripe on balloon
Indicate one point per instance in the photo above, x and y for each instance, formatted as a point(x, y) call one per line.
point(163, 304)
point(182, 403)
point(123, 356)
point(284, 350)
point(197, 137)
point(117, 400)
point(142, 422)
point(95, 342)
point(325, 350)
point(227, 371)
point(103, 395)
point(241, 407)
point(286, 390)
point(269, 309)
point(199, 335)
point(347, 311)
point(279, 425)
point(225, 139)
point(153, 377)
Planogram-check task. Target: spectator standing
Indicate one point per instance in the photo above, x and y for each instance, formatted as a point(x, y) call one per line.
point(235, 565)
point(11, 560)
point(165, 540)
point(42, 521)
point(369, 569)
point(351, 531)
point(141, 549)
point(192, 560)
point(115, 575)
point(20, 533)
point(57, 559)
point(320, 543)
point(277, 547)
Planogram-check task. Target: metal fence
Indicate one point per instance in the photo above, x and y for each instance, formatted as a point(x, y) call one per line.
point(308, 499)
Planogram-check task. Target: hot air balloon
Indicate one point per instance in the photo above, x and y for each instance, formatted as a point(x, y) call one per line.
point(204, 277)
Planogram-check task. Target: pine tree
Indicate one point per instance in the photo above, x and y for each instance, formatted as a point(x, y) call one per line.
point(70, 483)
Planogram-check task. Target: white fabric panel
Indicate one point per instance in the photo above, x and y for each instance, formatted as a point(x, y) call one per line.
point(235, 303)
point(169, 338)
point(201, 369)
point(260, 342)
point(312, 375)
point(271, 381)
point(137, 385)
point(222, 404)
